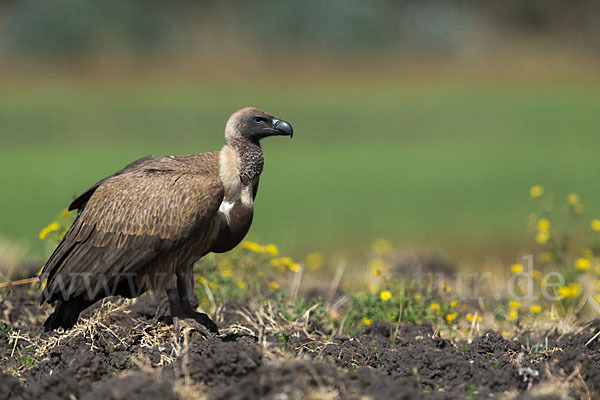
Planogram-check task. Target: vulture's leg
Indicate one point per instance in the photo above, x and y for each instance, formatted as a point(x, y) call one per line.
point(173, 297)
point(185, 289)
point(178, 294)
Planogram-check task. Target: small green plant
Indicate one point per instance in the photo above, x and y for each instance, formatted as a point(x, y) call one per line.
point(374, 348)
point(472, 391)
point(24, 360)
point(299, 308)
point(251, 270)
point(284, 341)
point(413, 301)
point(3, 333)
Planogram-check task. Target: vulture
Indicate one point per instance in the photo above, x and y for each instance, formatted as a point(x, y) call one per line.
point(143, 228)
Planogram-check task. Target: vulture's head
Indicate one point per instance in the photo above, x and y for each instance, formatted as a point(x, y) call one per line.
point(254, 124)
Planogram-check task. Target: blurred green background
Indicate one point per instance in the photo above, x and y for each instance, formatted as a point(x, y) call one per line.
point(424, 122)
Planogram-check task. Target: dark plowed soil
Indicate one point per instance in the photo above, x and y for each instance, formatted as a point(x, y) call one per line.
point(124, 350)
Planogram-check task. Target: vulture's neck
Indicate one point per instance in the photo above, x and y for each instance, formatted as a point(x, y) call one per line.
point(251, 159)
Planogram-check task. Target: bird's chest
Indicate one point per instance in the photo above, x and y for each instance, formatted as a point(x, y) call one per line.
point(235, 220)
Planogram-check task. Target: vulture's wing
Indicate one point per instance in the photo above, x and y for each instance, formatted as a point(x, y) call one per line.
point(80, 201)
point(151, 206)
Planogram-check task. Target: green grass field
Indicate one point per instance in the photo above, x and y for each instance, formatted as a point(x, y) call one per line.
point(449, 165)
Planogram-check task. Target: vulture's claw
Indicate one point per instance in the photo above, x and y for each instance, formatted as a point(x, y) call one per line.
point(199, 321)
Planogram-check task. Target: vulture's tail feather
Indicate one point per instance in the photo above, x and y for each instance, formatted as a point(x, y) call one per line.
point(66, 313)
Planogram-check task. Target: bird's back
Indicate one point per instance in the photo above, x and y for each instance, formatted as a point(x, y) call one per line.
point(130, 220)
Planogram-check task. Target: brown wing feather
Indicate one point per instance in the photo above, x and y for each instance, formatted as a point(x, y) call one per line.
point(150, 207)
point(82, 199)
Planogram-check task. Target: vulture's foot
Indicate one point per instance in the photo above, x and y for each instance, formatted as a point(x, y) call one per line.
point(196, 320)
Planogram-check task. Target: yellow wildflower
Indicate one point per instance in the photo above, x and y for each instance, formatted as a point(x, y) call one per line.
point(454, 303)
point(226, 273)
point(573, 198)
point(505, 334)
point(582, 264)
point(314, 260)
point(53, 226)
point(516, 268)
point(596, 225)
point(535, 308)
point(552, 314)
point(260, 274)
point(569, 291)
point(446, 287)
point(417, 297)
point(515, 305)
point(287, 261)
point(435, 307)
point(385, 295)
point(283, 262)
point(274, 285)
point(536, 191)
point(574, 289)
point(242, 285)
point(202, 280)
point(213, 285)
point(512, 314)
point(44, 234)
point(471, 317)
point(542, 237)
point(451, 317)
point(564, 291)
point(64, 212)
point(543, 225)
point(272, 250)
point(381, 247)
point(293, 267)
point(253, 246)
point(366, 321)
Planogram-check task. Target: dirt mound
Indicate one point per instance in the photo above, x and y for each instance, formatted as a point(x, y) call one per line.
point(137, 386)
point(124, 350)
point(218, 361)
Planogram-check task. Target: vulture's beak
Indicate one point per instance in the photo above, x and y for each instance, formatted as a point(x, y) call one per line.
point(283, 128)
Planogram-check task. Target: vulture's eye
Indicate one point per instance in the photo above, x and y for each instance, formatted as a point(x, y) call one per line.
point(259, 120)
